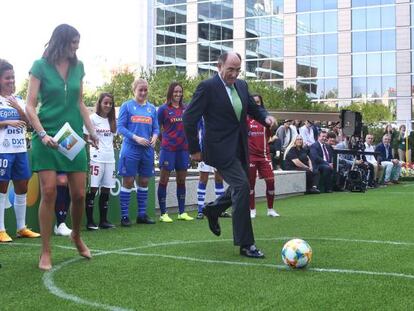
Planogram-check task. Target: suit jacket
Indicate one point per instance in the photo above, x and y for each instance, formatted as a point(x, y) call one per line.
point(316, 155)
point(382, 153)
point(225, 136)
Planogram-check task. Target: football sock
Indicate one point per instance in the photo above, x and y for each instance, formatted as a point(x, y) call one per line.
point(162, 195)
point(19, 206)
point(219, 189)
point(181, 197)
point(142, 195)
point(124, 198)
point(103, 207)
point(90, 200)
point(270, 192)
point(252, 183)
point(62, 204)
point(201, 196)
point(3, 199)
point(252, 204)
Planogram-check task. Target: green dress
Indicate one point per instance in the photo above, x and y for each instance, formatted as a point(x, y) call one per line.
point(59, 103)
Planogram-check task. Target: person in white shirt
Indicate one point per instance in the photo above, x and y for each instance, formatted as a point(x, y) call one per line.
point(14, 161)
point(378, 169)
point(102, 161)
point(306, 131)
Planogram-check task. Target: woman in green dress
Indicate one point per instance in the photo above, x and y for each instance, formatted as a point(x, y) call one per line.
point(56, 83)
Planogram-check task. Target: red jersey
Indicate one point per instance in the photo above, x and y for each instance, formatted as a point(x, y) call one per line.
point(258, 141)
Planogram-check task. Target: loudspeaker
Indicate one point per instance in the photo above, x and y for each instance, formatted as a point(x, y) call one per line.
point(351, 123)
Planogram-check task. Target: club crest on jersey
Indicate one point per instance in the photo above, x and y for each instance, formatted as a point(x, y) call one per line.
point(141, 119)
point(149, 110)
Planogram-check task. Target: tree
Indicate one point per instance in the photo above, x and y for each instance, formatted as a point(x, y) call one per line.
point(372, 112)
point(22, 91)
point(120, 85)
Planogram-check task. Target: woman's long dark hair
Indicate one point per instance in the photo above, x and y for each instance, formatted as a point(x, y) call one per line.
point(260, 97)
point(111, 114)
point(170, 93)
point(58, 44)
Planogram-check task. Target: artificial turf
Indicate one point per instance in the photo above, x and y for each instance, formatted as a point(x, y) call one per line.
point(363, 259)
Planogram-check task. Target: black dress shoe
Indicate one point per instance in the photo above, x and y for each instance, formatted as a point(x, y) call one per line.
point(106, 225)
point(125, 222)
point(145, 220)
point(212, 217)
point(251, 252)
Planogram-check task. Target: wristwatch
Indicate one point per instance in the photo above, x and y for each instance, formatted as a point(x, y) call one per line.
point(42, 134)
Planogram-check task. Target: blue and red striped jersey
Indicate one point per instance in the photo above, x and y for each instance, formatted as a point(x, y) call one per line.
point(170, 120)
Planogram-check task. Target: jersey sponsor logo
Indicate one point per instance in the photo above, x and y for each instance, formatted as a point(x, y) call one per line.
point(13, 130)
point(18, 141)
point(6, 143)
point(254, 134)
point(8, 113)
point(141, 119)
point(176, 119)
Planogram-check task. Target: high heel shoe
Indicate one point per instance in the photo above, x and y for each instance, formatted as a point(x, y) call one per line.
point(44, 267)
point(83, 250)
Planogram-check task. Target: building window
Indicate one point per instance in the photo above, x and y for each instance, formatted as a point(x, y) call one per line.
point(363, 41)
point(263, 7)
point(315, 5)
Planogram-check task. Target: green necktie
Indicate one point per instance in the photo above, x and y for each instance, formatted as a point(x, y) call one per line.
point(236, 102)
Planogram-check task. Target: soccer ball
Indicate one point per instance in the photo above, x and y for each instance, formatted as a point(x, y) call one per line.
point(296, 253)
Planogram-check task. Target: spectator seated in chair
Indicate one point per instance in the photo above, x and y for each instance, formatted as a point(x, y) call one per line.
point(392, 166)
point(297, 159)
point(322, 160)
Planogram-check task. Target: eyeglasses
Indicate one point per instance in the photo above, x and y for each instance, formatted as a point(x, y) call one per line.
point(233, 70)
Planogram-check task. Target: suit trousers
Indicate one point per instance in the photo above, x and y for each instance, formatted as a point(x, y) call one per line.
point(236, 195)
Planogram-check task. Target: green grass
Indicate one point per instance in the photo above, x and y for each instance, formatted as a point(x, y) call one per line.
point(340, 227)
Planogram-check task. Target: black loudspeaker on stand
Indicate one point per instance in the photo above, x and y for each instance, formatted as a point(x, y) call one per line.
point(351, 123)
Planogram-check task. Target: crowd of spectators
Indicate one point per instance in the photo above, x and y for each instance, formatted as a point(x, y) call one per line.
point(321, 150)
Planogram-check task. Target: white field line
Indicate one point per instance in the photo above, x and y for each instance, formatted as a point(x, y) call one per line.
point(53, 289)
point(280, 267)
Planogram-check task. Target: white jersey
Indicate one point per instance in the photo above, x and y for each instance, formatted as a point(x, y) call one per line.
point(12, 139)
point(105, 152)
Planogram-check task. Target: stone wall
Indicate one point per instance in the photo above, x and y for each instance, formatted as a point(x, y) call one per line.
point(286, 183)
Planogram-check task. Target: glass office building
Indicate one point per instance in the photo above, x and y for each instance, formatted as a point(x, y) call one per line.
point(337, 51)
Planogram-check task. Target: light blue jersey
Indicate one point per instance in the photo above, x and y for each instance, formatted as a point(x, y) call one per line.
point(136, 119)
point(139, 120)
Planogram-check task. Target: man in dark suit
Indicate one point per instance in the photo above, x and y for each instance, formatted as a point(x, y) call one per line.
point(224, 102)
point(322, 160)
point(392, 167)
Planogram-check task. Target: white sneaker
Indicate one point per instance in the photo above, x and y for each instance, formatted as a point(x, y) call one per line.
point(253, 213)
point(62, 230)
point(272, 213)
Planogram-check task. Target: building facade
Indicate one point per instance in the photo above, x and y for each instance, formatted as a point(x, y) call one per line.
point(337, 51)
